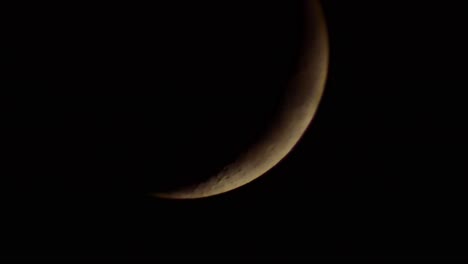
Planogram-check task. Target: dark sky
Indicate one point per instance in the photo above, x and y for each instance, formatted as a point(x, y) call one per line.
point(380, 172)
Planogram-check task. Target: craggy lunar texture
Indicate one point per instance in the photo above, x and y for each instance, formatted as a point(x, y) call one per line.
point(297, 110)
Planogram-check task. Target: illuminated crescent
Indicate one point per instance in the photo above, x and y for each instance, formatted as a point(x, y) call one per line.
point(298, 107)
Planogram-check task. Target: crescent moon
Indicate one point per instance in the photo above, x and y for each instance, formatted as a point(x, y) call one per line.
point(298, 108)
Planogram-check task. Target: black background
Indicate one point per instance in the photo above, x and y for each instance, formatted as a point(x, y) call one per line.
point(380, 173)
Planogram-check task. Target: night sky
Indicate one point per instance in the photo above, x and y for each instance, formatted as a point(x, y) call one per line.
point(106, 103)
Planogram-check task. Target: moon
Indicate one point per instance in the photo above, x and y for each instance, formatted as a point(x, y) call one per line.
point(298, 107)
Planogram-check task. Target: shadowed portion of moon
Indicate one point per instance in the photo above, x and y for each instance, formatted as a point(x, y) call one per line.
point(292, 115)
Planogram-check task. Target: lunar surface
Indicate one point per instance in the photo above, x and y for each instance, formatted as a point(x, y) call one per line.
point(297, 108)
